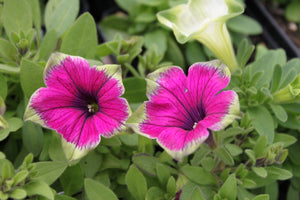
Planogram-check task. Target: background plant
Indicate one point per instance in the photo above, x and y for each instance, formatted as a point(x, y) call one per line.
point(251, 157)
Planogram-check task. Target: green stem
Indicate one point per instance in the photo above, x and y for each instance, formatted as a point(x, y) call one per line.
point(132, 70)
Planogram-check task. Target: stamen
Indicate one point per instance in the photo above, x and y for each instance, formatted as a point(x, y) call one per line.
point(195, 124)
point(92, 108)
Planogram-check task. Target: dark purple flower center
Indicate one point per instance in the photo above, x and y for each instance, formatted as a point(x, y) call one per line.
point(194, 116)
point(87, 102)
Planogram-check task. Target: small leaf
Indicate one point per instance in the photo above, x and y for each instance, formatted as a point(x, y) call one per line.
point(32, 136)
point(47, 46)
point(39, 188)
point(81, 38)
point(7, 50)
point(16, 16)
point(260, 171)
point(135, 90)
point(279, 112)
point(229, 188)
point(18, 193)
point(279, 173)
point(224, 155)
point(59, 15)
point(286, 139)
point(72, 180)
point(198, 175)
point(292, 12)
point(49, 171)
point(259, 148)
point(262, 197)
point(162, 173)
point(263, 122)
point(14, 124)
point(155, 193)
point(276, 78)
point(20, 176)
point(31, 77)
point(136, 183)
point(245, 25)
point(171, 186)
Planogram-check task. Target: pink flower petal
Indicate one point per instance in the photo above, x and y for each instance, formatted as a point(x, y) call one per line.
point(221, 110)
point(80, 103)
point(205, 80)
point(179, 142)
point(181, 109)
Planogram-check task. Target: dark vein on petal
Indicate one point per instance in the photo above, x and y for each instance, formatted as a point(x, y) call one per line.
point(191, 117)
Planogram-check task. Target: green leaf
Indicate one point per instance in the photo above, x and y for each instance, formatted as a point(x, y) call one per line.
point(267, 63)
point(16, 16)
point(286, 139)
point(198, 175)
point(14, 124)
point(156, 38)
point(18, 193)
point(293, 194)
point(7, 50)
point(279, 112)
point(276, 78)
point(262, 122)
point(56, 152)
point(91, 163)
point(260, 146)
point(262, 197)
point(47, 46)
point(81, 38)
point(200, 154)
point(273, 190)
point(20, 176)
point(3, 90)
point(171, 186)
point(194, 53)
point(234, 149)
point(162, 173)
point(31, 77)
point(49, 171)
point(279, 173)
point(96, 190)
point(72, 180)
point(9, 69)
point(146, 163)
point(224, 155)
point(135, 90)
point(36, 16)
point(244, 52)
point(260, 171)
point(39, 188)
point(174, 53)
point(155, 193)
point(32, 135)
point(59, 15)
point(292, 11)
point(136, 183)
point(245, 25)
point(63, 197)
point(229, 188)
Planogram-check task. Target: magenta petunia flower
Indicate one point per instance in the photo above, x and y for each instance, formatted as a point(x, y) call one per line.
point(181, 110)
point(79, 102)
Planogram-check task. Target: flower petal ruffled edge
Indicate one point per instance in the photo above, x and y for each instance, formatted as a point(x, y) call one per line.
point(190, 147)
point(31, 115)
point(233, 113)
point(170, 18)
point(72, 153)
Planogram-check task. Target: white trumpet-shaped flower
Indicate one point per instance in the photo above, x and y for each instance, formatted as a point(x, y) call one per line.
point(204, 20)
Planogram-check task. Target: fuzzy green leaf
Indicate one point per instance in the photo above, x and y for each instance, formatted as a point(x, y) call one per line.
point(136, 183)
point(81, 38)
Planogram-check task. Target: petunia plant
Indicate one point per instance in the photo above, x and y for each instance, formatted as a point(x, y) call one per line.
point(79, 102)
point(205, 21)
point(123, 109)
point(182, 111)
